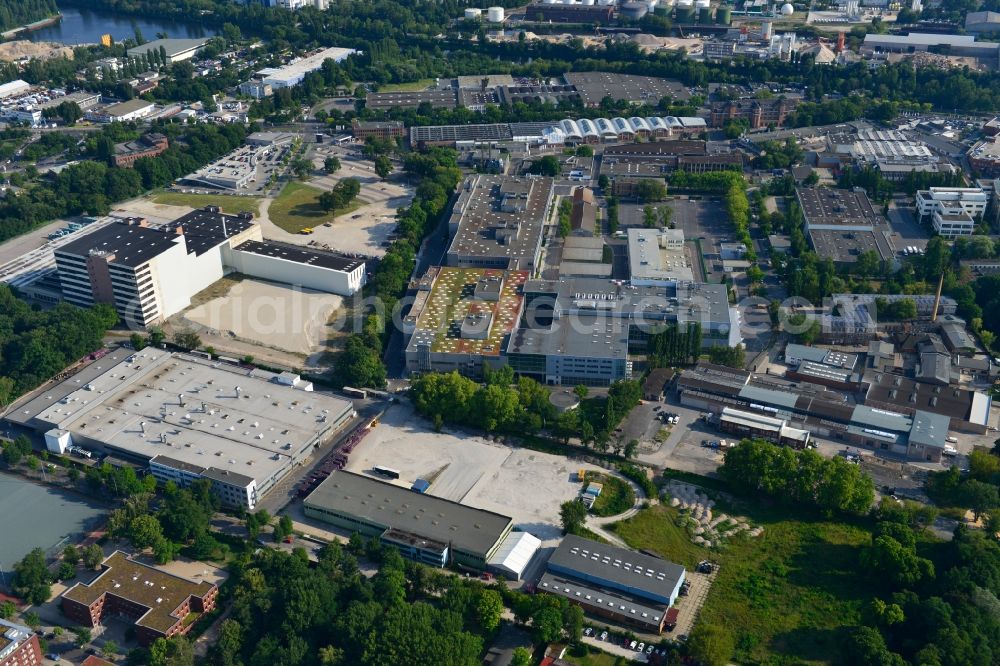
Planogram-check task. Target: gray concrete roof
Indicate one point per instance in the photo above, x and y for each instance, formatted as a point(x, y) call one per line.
point(229, 420)
point(644, 574)
point(391, 506)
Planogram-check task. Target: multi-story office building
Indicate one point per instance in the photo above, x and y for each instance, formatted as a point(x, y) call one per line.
point(149, 273)
point(953, 210)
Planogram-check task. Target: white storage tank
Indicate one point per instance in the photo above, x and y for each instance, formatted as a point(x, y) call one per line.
point(495, 14)
point(473, 13)
point(703, 4)
point(587, 2)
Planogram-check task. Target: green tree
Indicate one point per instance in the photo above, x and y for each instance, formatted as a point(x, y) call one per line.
point(980, 497)
point(31, 578)
point(572, 514)
point(383, 167)
point(138, 341)
point(521, 657)
point(83, 636)
point(546, 166)
point(331, 164)
point(711, 644)
point(301, 167)
point(92, 556)
point(7, 610)
point(109, 649)
point(547, 624)
point(176, 651)
point(187, 340)
point(144, 531)
point(489, 610)
point(650, 189)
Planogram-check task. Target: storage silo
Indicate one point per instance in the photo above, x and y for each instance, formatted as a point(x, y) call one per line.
point(473, 14)
point(724, 15)
point(704, 12)
point(685, 12)
point(495, 14)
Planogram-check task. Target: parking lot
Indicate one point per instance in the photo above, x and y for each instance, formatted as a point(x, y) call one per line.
point(906, 231)
point(368, 229)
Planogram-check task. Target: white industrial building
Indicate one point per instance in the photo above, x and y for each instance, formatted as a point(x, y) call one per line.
point(953, 210)
point(176, 50)
point(292, 74)
point(149, 273)
point(187, 418)
point(515, 552)
point(134, 109)
point(656, 257)
point(12, 88)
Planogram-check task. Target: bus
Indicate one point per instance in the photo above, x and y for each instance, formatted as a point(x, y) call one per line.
point(387, 472)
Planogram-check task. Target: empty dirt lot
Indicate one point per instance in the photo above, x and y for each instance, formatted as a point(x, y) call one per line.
point(527, 485)
point(273, 315)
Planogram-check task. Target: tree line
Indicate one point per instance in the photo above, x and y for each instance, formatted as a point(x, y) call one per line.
point(360, 364)
point(802, 478)
point(36, 345)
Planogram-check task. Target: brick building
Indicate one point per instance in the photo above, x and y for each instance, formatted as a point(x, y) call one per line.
point(757, 112)
point(389, 129)
point(160, 605)
point(148, 145)
point(18, 645)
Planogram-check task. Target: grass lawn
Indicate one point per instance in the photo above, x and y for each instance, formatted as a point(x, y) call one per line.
point(788, 592)
point(406, 87)
point(228, 204)
point(585, 655)
point(297, 207)
point(616, 496)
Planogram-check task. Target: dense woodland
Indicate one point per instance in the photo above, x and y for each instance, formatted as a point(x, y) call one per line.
point(36, 345)
point(521, 406)
point(15, 13)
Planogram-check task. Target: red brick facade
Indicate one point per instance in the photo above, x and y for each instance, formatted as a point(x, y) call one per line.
point(28, 653)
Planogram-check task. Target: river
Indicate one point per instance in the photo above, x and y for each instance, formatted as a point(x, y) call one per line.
point(85, 26)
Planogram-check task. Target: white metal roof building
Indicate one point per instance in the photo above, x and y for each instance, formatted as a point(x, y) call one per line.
point(514, 554)
point(15, 87)
point(293, 73)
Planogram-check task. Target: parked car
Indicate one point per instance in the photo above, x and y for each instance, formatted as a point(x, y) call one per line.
point(649, 650)
point(588, 631)
point(631, 645)
point(641, 647)
point(604, 635)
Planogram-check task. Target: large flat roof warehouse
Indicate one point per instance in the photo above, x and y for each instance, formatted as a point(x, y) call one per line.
point(845, 246)
point(153, 403)
point(595, 86)
point(294, 72)
point(459, 296)
point(497, 221)
point(435, 134)
point(438, 99)
point(643, 575)
point(385, 506)
point(176, 49)
point(157, 591)
point(826, 206)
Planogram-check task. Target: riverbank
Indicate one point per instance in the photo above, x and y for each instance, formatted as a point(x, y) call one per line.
point(31, 27)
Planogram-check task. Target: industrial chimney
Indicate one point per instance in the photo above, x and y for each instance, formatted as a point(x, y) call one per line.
point(937, 298)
